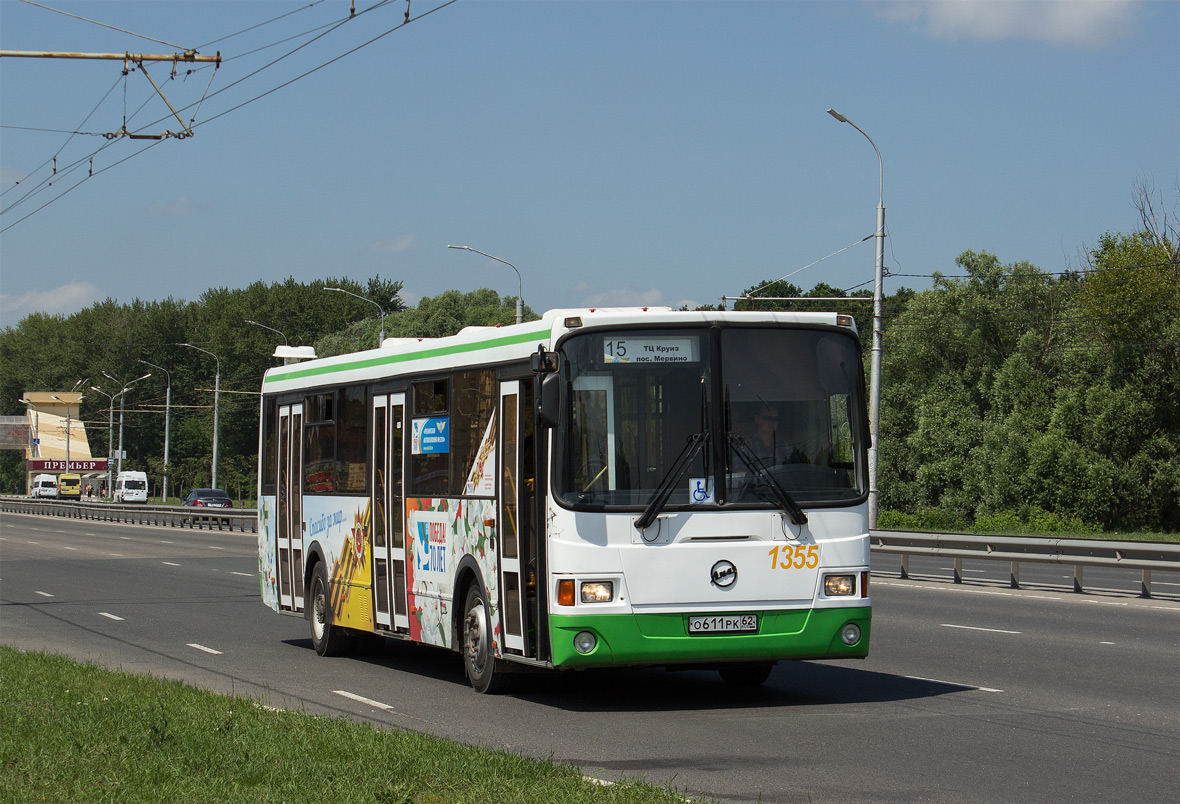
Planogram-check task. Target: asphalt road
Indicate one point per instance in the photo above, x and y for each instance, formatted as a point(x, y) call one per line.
point(972, 693)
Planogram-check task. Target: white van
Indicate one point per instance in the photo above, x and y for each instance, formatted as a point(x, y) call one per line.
point(131, 487)
point(44, 486)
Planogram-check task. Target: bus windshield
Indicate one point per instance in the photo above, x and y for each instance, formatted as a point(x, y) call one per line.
point(722, 414)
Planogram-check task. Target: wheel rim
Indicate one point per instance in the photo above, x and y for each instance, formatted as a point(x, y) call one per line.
point(318, 612)
point(476, 637)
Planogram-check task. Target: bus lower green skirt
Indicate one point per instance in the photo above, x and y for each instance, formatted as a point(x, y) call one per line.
point(614, 639)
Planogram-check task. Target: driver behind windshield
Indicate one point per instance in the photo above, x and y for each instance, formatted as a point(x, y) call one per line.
point(766, 436)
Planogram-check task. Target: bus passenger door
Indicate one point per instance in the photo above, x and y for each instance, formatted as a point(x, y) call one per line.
point(516, 511)
point(290, 507)
point(388, 521)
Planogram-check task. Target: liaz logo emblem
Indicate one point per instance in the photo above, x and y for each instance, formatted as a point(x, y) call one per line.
point(723, 574)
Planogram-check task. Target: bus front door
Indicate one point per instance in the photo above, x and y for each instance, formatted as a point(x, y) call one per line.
point(290, 507)
point(518, 532)
point(387, 516)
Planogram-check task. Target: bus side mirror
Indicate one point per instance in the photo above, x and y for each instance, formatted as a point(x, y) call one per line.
point(542, 362)
point(550, 399)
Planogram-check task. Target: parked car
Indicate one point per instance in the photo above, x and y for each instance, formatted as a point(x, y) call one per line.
point(208, 498)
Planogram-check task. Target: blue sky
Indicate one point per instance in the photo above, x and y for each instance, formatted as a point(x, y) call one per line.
point(614, 152)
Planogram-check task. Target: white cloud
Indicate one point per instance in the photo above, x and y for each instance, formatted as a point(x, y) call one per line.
point(591, 296)
point(69, 298)
point(407, 242)
point(1088, 23)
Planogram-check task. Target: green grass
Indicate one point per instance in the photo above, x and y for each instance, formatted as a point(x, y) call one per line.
point(73, 732)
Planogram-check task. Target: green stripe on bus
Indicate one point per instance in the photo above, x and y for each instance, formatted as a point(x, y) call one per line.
point(389, 360)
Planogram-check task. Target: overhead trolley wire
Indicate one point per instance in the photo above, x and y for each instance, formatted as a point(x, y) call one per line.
point(193, 125)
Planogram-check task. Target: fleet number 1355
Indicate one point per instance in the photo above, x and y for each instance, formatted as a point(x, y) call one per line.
point(798, 558)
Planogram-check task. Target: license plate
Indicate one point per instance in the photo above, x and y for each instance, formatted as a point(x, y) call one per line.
point(722, 623)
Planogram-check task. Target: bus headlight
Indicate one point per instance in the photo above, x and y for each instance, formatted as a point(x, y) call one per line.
point(584, 642)
point(850, 633)
point(839, 585)
point(598, 591)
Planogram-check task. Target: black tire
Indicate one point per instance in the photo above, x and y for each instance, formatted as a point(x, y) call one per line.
point(327, 639)
point(486, 673)
point(749, 674)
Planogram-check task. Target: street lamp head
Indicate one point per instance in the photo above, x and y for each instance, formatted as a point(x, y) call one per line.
point(837, 115)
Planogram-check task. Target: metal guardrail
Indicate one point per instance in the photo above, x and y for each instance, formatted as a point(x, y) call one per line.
point(173, 516)
point(1146, 557)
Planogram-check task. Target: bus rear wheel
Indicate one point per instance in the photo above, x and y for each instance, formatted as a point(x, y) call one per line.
point(326, 638)
point(485, 672)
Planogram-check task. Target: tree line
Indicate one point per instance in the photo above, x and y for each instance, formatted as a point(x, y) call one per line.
point(1012, 398)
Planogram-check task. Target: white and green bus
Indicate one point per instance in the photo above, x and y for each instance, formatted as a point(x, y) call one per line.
point(599, 488)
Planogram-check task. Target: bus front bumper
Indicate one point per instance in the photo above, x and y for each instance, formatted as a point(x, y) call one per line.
point(658, 639)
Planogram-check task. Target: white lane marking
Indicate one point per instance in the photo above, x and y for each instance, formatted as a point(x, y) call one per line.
point(71, 548)
point(1105, 602)
point(953, 684)
point(169, 564)
point(32, 542)
point(120, 555)
point(43, 594)
point(1105, 643)
point(1166, 608)
point(976, 628)
point(162, 541)
point(125, 538)
point(211, 547)
point(202, 647)
point(352, 696)
point(246, 574)
point(110, 616)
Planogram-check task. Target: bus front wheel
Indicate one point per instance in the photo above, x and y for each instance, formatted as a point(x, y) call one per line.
point(485, 672)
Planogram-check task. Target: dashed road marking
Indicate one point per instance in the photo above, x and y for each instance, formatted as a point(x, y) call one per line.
point(977, 628)
point(205, 649)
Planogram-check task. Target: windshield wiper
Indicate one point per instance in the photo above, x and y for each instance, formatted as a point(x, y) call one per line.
point(659, 499)
point(798, 516)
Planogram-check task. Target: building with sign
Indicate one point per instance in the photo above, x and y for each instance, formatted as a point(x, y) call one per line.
point(56, 433)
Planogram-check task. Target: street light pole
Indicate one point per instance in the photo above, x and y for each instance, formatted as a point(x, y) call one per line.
point(380, 340)
point(519, 281)
point(878, 326)
point(122, 400)
point(216, 404)
point(167, 420)
point(36, 445)
point(110, 431)
point(272, 329)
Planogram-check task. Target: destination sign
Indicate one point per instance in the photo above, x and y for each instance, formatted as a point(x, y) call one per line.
point(650, 350)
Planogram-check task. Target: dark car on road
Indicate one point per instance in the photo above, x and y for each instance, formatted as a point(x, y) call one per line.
point(208, 498)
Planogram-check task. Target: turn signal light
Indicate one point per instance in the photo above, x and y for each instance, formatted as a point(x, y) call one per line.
point(565, 592)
